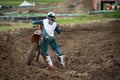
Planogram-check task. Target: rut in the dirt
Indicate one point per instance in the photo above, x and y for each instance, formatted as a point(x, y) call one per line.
point(92, 52)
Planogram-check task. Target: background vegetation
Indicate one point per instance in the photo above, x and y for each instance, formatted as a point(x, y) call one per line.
point(15, 3)
point(71, 20)
point(15, 26)
point(62, 20)
point(114, 14)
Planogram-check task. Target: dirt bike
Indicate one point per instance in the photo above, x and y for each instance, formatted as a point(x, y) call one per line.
point(34, 51)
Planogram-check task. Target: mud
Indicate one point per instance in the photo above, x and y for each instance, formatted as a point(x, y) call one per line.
point(91, 51)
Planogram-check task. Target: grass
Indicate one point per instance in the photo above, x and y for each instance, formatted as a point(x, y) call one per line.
point(78, 20)
point(70, 20)
point(89, 18)
point(15, 3)
point(16, 26)
point(60, 20)
point(114, 14)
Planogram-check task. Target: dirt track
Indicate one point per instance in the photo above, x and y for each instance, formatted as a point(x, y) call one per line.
point(92, 52)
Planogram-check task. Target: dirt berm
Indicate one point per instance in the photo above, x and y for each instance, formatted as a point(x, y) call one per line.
point(69, 6)
point(92, 52)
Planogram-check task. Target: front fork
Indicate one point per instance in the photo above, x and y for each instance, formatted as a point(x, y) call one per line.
point(37, 56)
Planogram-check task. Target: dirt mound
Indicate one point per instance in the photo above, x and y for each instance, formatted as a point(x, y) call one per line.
point(76, 6)
point(92, 52)
point(70, 6)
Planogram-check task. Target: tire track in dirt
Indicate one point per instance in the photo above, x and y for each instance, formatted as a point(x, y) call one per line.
point(91, 53)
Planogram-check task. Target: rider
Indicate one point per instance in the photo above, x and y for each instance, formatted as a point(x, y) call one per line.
point(48, 27)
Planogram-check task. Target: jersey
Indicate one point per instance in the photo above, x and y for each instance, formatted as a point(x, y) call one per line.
point(49, 28)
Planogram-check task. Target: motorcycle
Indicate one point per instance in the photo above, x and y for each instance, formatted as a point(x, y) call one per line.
point(34, 51)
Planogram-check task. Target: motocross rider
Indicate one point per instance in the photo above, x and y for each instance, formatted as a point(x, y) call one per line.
point(48, 27)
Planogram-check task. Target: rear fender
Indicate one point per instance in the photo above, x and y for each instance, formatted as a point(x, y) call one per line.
point(35, 38)
point(32, 39)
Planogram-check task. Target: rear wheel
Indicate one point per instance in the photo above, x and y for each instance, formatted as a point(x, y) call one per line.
point(32, 53)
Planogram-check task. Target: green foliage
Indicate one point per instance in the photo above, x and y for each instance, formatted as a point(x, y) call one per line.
point(15, 3)
point(114, 14)
point(15, 26)
point(79, 19)
point(72, 20)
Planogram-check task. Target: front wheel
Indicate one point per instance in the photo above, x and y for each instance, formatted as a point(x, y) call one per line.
point(32, 53)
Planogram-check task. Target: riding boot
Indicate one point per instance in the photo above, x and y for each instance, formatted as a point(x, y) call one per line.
point(61, 60)
point(50, 63)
